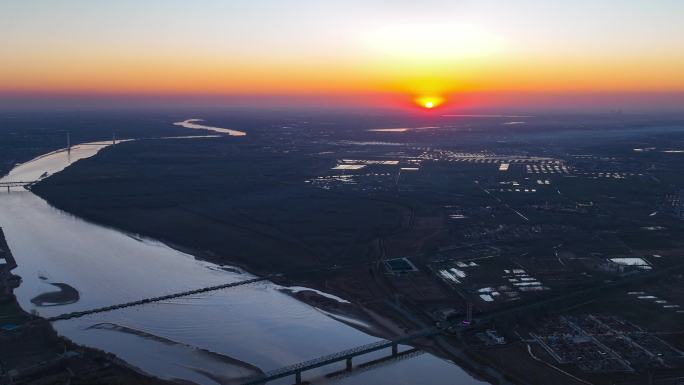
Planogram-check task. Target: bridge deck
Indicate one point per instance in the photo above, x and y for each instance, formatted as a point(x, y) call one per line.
point(16, 183)
point(336, 357)
point(83, 313)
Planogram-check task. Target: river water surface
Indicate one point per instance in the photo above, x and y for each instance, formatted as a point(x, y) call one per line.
point(211, 338)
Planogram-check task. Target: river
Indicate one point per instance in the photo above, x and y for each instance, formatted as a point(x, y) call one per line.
point(212, 338)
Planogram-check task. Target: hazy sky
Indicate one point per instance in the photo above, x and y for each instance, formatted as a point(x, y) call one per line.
point(342, 49)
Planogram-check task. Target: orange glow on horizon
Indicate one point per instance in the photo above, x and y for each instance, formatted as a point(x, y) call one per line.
point(351, 52)
point(207, 75)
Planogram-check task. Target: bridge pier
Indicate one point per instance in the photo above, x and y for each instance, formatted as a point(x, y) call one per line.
point(298, 378)
point(395, 349)
point(349, 364)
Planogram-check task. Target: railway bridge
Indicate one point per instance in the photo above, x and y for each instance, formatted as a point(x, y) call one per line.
point(345, 355)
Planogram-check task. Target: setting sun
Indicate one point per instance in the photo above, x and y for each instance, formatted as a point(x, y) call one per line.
point(429, 102)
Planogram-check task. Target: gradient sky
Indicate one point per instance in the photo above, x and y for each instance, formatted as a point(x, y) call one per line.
point(369, 49)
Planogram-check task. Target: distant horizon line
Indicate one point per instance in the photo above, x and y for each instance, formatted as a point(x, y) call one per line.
point(523, 103)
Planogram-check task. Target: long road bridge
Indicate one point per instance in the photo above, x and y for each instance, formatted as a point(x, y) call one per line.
point(79, 314)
